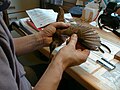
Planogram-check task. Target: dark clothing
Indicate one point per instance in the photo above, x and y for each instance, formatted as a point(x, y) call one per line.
point(4, 4)
point(12, 74)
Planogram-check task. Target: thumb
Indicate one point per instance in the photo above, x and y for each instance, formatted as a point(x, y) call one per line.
point(60, 24)
point(73, 40)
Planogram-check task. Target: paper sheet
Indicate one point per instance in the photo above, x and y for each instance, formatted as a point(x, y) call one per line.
point(112, 78)
point(43, 17)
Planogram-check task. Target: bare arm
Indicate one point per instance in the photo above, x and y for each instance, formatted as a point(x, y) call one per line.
point(66, 57)
point(118, 11)
point(51, 78)
point(27, 44)
point(38, 40)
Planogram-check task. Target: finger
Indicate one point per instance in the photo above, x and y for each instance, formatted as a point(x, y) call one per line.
point(73, 40)
point(60, 24)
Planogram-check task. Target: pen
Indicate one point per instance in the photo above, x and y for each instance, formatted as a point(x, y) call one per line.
point(106, 65)
point(70, 20)
point(108, 62)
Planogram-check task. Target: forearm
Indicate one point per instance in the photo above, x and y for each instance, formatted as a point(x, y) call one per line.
point(27, 44)
point(68, 56)
point(118, 11)
point(51, 78)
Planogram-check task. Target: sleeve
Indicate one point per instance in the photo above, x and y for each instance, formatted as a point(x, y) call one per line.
point(7, 80)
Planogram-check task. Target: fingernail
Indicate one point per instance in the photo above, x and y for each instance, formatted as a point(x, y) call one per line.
point(74, 35)
point(68, 24)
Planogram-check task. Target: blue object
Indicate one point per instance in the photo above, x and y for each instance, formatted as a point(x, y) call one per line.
point(76, 10)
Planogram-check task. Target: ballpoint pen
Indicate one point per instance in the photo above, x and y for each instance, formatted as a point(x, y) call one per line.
point(106, 64)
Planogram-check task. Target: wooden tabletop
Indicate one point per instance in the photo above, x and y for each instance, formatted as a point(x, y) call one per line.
point(85, 78)
point(82, 76)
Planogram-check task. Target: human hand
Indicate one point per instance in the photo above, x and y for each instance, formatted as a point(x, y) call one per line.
point(49, 30)
point(69, 55)
point(118, 11)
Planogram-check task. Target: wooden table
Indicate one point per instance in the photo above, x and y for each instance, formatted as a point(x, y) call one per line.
point(85, 78)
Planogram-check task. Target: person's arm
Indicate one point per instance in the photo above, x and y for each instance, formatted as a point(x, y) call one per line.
point(66, 57)
point(51, 78)
point(28, 43)
point(118, 11)
point(38, 40)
